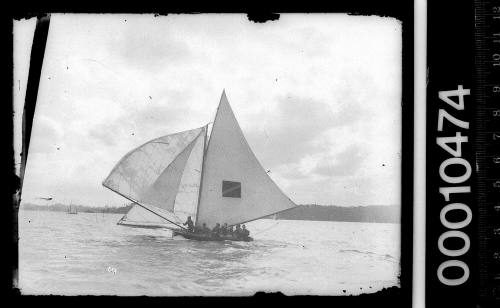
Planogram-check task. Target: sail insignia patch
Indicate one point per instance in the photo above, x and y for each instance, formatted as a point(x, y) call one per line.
point(231, 189)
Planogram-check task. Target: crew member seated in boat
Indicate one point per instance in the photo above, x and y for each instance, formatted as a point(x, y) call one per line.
point(230, 231)
point(198, 229)
point(237, 232)
point(205, 229)
point(216, 230)
point(223, 229)
point(244, 232)
point(189, 223)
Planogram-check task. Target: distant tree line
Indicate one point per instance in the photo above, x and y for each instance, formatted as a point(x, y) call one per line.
point(59, 207)
point(372, 213)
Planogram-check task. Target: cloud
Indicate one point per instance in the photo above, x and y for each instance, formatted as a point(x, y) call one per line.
point(106, 134)
point(149, 51)
point(299, 126)
point(167, 112)
point(46, 135)
point(341, 191)
point(345, 163)
point(290, 130)
point(315, 95)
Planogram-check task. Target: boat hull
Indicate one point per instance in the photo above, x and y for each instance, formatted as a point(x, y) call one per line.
point(209, 237)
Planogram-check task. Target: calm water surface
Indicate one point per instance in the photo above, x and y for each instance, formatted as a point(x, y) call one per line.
point(88, 253)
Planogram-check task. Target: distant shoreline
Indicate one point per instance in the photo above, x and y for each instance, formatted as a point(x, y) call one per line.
point(58, 207)
point(370, 213)
point(312, 212)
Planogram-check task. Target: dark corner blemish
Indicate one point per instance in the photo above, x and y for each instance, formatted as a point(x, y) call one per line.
point(369, 14)
point(393, 292)
point(262, 17)
point(262, 294)
point(27, 16)
point(14, 183)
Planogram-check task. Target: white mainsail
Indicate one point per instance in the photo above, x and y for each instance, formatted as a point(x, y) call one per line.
point(230, 162)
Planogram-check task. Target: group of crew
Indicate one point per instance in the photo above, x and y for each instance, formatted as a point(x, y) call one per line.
point(218, 230)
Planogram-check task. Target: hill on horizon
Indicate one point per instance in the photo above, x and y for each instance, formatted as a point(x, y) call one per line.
point(369, 213)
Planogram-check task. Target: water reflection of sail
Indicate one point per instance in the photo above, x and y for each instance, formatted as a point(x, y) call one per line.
point(214, 181)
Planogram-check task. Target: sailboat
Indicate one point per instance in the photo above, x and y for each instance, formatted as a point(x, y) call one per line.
point(72, 210)
point(212, 179)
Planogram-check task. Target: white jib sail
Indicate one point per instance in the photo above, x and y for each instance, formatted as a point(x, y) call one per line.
point(151, 174)
point(138, 174)
point(235, 187)
point(138, 216)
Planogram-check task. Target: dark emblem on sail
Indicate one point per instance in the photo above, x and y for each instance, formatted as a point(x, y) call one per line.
point(231, 189)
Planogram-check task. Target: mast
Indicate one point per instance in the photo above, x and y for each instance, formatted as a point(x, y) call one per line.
point(202, 172)
point(205, 146)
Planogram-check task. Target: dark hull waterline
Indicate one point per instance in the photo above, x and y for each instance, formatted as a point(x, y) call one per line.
point(208, 237)
point(143, 226)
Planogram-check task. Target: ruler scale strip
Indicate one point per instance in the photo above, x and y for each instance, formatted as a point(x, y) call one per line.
point(487, 66)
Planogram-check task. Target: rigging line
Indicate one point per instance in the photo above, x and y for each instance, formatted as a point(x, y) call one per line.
point(267, 229)
point(201, 176)
point(247, 221)
point(140, 149)
point(144, 207)
point(215, 117)
point(167, 143)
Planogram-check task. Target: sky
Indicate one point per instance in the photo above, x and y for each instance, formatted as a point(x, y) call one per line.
point(318, 97)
